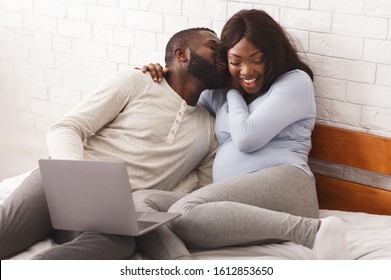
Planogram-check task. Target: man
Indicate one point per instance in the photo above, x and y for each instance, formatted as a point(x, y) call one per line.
point(165, 138)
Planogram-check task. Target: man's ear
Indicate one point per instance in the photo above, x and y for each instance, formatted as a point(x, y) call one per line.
point(182, 54)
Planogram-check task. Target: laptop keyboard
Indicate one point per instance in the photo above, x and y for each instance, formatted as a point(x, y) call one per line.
point(145, 224)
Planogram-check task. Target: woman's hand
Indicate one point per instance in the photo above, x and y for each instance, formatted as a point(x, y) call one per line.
point(233, 84)
point(156, 70)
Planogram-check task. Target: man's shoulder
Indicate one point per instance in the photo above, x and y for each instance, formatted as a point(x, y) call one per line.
point(127, 79)
point(132, 74)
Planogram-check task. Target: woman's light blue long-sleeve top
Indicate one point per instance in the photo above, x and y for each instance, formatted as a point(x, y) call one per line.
point(274, 129)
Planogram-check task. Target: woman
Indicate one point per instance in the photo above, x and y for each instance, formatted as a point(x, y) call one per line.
point(263, 189)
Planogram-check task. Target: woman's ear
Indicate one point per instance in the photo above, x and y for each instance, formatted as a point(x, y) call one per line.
point(182, 54)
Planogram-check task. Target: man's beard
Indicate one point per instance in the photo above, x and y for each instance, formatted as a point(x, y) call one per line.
point(207, 72)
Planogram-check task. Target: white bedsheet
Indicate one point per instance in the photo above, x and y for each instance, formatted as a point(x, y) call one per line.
point(369, 237)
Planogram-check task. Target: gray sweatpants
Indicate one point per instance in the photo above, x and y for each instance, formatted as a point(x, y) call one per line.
point(272, 205)
point(24, 220)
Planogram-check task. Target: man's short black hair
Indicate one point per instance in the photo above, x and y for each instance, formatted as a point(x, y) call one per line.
point(182, 39)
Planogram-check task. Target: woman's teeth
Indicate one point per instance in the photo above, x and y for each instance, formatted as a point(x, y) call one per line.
point(249, 82)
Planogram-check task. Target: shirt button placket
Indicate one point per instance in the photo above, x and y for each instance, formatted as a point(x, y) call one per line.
point(177, 122)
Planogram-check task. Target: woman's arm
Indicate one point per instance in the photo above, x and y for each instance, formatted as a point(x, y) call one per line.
point(156, 70)
point(290, 99)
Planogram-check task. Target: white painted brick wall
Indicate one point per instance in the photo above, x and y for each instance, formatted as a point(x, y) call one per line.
point(351, 70)
point(383, 75)
point(34, 90)
point(54, 52)
point(346, 113)
point(301, 4)
point(340, 6)
point(171, 7)
point(389, 31)
point(18, 5)
point(360, 26)
point(105, 15)
point(380, 96)
point(377, 51)
point(306, 19)
point(332, 45)
point(328, 88)
point(376, 120)
point(40, 23)
point(74, 29)
point(323, 108)
point(14, 19)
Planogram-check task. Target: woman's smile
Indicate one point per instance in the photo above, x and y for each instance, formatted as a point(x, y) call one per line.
point(249, 83)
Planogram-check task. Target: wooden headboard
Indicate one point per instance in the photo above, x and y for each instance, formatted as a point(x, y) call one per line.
point(353, 149)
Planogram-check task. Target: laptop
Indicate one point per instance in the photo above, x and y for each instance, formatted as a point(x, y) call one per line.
point(95, 196)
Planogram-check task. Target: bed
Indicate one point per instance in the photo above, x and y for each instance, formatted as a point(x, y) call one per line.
point(365, 210)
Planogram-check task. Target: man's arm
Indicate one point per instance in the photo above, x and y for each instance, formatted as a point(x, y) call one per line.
point(66, 137)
